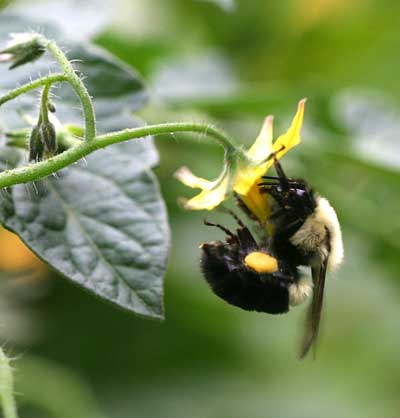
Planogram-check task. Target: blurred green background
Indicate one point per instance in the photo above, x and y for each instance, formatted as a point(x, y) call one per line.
point(232, 63)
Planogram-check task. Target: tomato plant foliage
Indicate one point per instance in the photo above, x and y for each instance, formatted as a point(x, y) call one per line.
point(101, 222)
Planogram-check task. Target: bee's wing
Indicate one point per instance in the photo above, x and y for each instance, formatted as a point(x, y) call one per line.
point(314, 311)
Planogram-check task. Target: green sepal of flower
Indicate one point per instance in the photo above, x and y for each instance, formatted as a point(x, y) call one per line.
point(243, 170)
point(36, 146)
point(49, 137)
point(23, 48)
point(42, 141)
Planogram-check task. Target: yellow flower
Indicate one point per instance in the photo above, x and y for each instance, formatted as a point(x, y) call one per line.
point(213, 192)
point(243, 170)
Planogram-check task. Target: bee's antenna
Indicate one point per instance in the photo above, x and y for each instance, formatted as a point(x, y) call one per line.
point(273, 154)
point(278, 168)
point(281, 174)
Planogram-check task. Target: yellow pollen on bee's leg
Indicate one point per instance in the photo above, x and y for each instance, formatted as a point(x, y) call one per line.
point(261, 262)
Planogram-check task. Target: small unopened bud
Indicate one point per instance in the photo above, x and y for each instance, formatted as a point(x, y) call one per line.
point(48, 137)
point(51, 106)
point(24, 48)
point(36, 146)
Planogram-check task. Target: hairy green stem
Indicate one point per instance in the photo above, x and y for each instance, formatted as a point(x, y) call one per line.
point(80, 90)
point(44, 168)
point(44, 103)
point(7, 387)
point(50, 79)
point(165, 128)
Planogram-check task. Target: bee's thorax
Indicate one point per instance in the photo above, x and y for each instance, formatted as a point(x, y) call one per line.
point(320, 235)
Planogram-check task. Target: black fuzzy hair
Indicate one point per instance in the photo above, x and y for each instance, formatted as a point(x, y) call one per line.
point(223, 267)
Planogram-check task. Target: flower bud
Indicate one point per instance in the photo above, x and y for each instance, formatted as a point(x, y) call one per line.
point(36, 147)
point(51, 106)
point(24, 48)
point(48, 137)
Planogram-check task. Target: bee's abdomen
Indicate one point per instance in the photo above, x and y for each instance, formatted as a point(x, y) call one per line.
point(228, 277)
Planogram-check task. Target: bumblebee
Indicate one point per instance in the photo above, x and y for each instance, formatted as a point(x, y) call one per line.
point(264, 276)
point(249, 275)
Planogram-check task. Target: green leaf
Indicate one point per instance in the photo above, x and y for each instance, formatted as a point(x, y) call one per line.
point(114, 86)
point(101, 224)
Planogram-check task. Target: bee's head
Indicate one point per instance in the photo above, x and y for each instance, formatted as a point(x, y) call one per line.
point(291, 195)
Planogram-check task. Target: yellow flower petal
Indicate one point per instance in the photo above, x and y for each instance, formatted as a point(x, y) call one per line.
point(245, 179)
point(248, 176)
point(262, 147)
point(185, 176)
point(292, 136)
point(259, 151)
point(209, 199)
point(257, 202)
point(243, 173)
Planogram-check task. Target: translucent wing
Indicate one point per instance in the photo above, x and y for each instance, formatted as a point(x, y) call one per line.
point(315, 309)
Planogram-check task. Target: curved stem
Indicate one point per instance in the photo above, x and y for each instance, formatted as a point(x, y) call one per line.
point(80, 90)
point(44, 168)
point(163, 128)
point(7, 387)
point(50, 79)
point(44, 103)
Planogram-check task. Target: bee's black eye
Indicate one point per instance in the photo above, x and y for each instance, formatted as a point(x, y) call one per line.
point(300, 192)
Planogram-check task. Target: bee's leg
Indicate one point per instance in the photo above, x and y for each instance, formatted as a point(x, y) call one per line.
point(276, 181)
point(246, 240)
point(244, 208)
point(243, 237)
point(270, 177)
point(285, 232)
point(234, 216)
point(268, 183)
point(278, 213)
point(222, 228)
